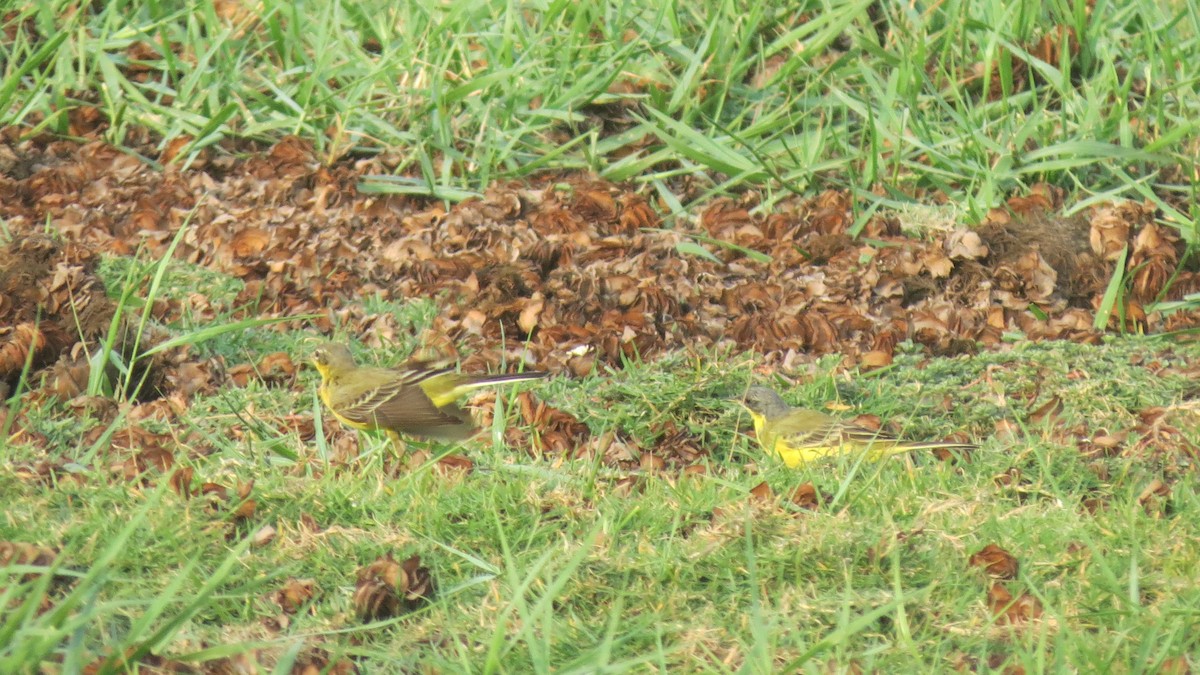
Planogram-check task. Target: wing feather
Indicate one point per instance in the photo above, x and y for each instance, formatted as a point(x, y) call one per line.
point(395, 400)
point(413, 400)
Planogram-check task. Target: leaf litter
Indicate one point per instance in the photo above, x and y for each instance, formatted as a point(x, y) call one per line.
point(567, 273)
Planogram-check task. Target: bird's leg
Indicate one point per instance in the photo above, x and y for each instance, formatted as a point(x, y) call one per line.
point(397, 443)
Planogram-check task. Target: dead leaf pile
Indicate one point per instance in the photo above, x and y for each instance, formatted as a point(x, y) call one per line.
point(49, 295)
point(570, 272)
point(1005, 608)
point(567, 273)
point(54, 312)
point(678, 446)
point(552, 432)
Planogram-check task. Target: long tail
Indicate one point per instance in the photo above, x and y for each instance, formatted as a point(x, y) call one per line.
point(472, 382)
point(877, 451)
point(446, 386)
point(857, 434)
point(935, 445)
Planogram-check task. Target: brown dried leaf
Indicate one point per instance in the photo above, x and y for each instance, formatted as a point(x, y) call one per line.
point(1153, 261)
point(558, 432)
point(277, 368)
point(595, 205)
point(294, 594)
point(875, 359)
point(1103, 444)
point(181, 482)
point(310, 524)
point(386, 588)
point(636, 214)
point(456, 462)
point(250, 241)
point(1048, 411)
point(244, 511)
point(1175, 665)
point(724, 215)
point(151, 458)
point(806, 497)
point(240, 375)
point(375, 592)
point(1007, 610)
point(1154, 497)
point(652, 463)
point(244, 489)
point(965, 245)
point(23, 343)
point(626, 485)
point(762, 492)
point(528, 318)
point(1110, 228)
point(996, 562)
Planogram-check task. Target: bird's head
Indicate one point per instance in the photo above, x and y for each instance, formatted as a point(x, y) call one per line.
point(330, 359)
point(764, 401)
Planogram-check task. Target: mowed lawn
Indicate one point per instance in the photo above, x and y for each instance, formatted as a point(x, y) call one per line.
point(237, 528)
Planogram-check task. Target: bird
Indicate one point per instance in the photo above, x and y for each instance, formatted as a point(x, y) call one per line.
point(799, 435)
point(416, 401)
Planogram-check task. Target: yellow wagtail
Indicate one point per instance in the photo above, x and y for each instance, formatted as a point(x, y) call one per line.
point(414, 401)
point(799, 435)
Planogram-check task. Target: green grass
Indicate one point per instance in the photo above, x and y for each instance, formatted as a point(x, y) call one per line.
point(546, 565)
point(543, 565)
point(779, 98)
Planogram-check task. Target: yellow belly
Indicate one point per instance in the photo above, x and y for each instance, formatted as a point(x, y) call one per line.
point(795, 456)
point(323, 393)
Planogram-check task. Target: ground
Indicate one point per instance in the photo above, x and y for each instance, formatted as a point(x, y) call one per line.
point(166, 457)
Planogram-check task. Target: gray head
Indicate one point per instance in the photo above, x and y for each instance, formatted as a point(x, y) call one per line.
point(332, 357)
point(764, 401)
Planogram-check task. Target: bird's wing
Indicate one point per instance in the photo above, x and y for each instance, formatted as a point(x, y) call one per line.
point(393, 399)
point(855, 434)
point(802, 428)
